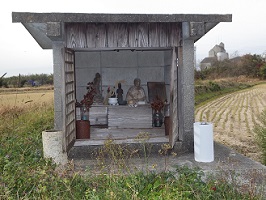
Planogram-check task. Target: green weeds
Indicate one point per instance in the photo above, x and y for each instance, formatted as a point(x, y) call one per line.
point(25, 174)
point(205, 92)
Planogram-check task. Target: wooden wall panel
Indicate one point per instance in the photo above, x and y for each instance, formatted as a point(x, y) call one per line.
point(69, 116)
point(174, 33)
point(101, 36)
point(154, 35)
point(133, 35)
point(112, 35)
point(91, 32)
point(122, 39)
point(164, 35)
point(76, 35)
point(128, 35)
point(143, 35)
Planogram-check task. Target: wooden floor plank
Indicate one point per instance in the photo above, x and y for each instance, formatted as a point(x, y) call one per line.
point(96, 142)
point(105, 133)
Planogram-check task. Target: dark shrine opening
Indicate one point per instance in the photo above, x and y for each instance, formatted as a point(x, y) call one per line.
point(122, 121)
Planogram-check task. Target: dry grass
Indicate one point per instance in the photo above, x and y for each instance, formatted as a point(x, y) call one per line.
point(23, 99)
point(234, 117)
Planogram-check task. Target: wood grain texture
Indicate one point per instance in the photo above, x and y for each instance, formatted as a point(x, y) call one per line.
point(122, 35)
point(174, 34)
point(143, 35)
point(164, 35)
point(125, 133)
point(133, 35)
point(112, 35)
point(69, 117)
point(91, 32)
point(130, 117)
point(98, 115)
point(76, 35)
point(154, 35)
point(101, 36)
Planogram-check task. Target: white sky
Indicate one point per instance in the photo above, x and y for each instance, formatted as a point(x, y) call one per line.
point(20, 53)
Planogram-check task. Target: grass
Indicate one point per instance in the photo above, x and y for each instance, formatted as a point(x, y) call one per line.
point(206, 91)
point(21, 162)
point(25, 174)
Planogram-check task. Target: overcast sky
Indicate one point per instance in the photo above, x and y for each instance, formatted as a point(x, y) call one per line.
point(20, 53)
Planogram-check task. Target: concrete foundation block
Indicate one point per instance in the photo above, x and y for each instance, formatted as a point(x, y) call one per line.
point(52, 146)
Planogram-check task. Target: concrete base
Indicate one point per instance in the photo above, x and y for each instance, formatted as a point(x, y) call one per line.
point(227, 164)
point(89, 149)
point(52, 146)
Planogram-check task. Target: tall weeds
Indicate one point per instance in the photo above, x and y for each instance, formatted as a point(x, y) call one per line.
point(25, 174)
point(260, 131)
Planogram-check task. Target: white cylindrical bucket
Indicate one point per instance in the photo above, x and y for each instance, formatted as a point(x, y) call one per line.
point(203, 142)
point(112, 101)
point(52, 146)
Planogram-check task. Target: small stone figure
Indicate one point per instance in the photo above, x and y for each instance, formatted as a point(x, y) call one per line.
point(97, 84)
point(119, 93)
point(136, 93)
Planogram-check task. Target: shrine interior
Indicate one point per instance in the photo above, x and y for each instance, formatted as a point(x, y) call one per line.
point(122, 122)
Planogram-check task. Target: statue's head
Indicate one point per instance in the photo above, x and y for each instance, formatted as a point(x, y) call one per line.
point(98, 75)
point(137, 82)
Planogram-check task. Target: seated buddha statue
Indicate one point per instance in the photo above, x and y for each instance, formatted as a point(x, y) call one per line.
point(136, 93)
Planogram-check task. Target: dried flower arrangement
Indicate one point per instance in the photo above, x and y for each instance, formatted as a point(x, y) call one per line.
point(87, 100)
point(157, 104)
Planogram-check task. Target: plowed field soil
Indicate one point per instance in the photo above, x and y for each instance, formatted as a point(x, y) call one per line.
point(234, 117)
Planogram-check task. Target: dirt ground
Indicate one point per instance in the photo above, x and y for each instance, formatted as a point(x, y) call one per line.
point(234, 116)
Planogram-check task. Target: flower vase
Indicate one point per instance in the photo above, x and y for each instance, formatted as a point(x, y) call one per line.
point(83, 125)
point(84, 112)
point(157, 118)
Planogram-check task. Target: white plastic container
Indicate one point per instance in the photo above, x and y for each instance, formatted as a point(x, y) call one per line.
point(203, 142)
point(112, 101)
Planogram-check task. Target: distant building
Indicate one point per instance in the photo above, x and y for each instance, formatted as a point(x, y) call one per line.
point(207, 62)
point(217, 53)
point(236, 60)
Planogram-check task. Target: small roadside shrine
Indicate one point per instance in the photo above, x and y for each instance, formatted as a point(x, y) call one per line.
point(158, 49)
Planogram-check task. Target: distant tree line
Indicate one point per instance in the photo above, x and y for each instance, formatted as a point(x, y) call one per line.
point(32, 80)
point(253, 66)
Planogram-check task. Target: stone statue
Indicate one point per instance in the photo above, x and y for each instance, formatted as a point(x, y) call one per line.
point(136, 93)
point(97, 85)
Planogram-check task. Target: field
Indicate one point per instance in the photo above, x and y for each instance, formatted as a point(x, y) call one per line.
point(24, 98)
point(234, 117)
